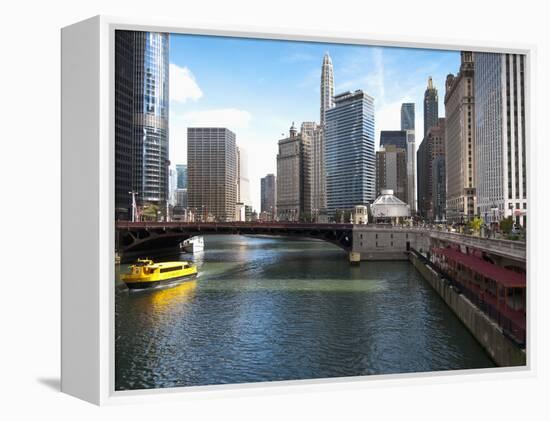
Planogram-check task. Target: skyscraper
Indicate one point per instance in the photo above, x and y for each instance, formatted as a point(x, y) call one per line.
point(293, 182)
point(460, 142)
point(124, 126)
point(181, 186)
point(243, 183)
point(212, 172)
point(318, 176)
point(391, 171)
point(408, 125)
point(181, 170)
point(172, 185)
point(308, 131)
point(411, 171)
point(349, 152)
point(438, 189)
point(500, 150)
point(431, 147)
point(151, 117)
point(407, 116)
point(397, 138)
point(327, 87)
point(431, 103)
point(269, 196)
point(141, 118)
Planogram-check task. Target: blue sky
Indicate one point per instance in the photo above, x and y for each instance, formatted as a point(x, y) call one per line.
point(257, 88)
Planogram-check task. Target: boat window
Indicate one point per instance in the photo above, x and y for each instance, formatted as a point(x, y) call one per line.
point(163, 270)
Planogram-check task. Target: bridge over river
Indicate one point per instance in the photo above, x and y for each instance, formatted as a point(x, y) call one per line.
point(137, 236)
point(362, 242)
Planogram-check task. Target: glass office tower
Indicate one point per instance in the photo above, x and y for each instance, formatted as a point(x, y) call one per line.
point(124, 112)
point(349, 154)
point(141, 119)
point(407, 116)
point(397, 138)
point(151, 117)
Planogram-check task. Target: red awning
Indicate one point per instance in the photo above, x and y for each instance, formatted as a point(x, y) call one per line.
point(506, 277)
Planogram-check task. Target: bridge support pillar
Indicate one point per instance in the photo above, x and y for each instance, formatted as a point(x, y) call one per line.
point(354, 257)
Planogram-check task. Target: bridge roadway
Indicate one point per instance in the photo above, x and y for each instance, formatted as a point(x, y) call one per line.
point(137, 236)
point(141, 236)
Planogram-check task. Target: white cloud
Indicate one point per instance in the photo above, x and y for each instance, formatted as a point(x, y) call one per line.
point(231, 118)
point(183, 85)
point(371, 81)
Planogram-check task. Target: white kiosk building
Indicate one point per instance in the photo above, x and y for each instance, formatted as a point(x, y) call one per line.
point(389, 209)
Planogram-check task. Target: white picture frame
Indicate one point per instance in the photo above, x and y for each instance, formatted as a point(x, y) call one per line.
point(88, 208)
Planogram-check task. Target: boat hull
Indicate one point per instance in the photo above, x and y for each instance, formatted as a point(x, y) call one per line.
point(193, 245)
point(160, 283)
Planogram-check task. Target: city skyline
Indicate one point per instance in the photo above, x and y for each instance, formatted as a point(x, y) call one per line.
point(386, 200)
point(257, 99)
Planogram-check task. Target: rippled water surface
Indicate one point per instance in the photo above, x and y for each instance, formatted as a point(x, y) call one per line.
point(274, 309)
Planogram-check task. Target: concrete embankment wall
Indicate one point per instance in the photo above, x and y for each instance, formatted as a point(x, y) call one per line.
point(503, 351)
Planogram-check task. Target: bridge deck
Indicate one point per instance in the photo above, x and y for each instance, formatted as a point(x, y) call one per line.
point(137, 234)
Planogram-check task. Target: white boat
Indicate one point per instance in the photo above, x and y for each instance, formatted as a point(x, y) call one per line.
point(193, 245)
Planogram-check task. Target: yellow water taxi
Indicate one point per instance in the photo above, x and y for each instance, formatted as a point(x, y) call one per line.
point(148, 274)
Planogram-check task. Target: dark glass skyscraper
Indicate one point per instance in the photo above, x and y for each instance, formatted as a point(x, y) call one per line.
point(431, 147)
point(181, 171)
point(124, 111)
point(438, 188)
point(269, 195)
point(407, 116)
point(431, 103)
point(397, 138)
point(141, 117)
point(349, 153)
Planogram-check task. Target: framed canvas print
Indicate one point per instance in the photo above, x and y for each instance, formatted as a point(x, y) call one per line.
point(245, 209)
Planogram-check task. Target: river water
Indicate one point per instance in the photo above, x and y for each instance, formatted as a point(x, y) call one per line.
point(266, 309)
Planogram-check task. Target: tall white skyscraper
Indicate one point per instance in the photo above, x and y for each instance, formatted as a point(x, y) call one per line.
point(243, 182)
point(407, 124)
point(319, 194)
point(500, 151)
point(411, 171)
point(327, 87)
point(172, 185)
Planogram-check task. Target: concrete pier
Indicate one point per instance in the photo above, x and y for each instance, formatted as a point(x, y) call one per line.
point(354, 258)
point(503, 351)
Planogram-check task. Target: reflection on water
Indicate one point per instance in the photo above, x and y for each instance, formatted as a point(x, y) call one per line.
point(167, 299)
point(274, 309)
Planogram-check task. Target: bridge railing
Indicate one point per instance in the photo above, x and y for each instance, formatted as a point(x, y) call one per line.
point(512, 248)
point(306, 225)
